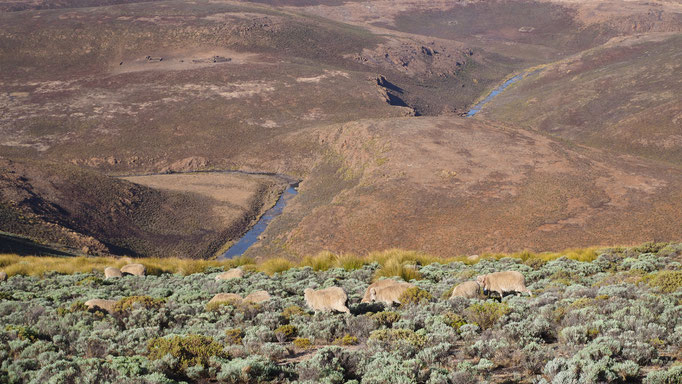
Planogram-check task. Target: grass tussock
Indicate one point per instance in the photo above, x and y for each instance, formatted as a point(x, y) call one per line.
point(392, 263)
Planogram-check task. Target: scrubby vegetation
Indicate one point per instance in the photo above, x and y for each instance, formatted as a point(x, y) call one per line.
point(612, 317)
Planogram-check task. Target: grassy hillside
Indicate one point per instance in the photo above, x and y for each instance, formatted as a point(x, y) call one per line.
point(623, 96)
point(454, 185)
point(92, 213)
point(615, 317)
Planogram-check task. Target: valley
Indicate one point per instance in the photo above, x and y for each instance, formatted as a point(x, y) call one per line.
point(364, 103)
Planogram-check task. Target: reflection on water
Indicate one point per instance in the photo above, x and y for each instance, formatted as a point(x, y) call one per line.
point(251, 237)
point(477, 108)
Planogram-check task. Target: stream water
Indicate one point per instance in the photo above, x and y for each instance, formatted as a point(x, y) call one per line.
point(252, 236)
point(477, 108)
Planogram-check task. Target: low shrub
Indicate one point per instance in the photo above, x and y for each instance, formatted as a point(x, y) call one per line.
point(127, 303)
point(454, 320)
point(486, 314)
point(346, 340)
point(23, 333)
point(670, 376)
point(390, 336)
point(187, 351)
point(302, 343)
point(286, 332)
point(234, 336)
point(666, 281)
point(386, 318)
point(414, 295)
point(293, 310)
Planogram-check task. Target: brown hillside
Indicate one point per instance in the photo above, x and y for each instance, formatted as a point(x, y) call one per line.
point(453, 185)
point(93, 213)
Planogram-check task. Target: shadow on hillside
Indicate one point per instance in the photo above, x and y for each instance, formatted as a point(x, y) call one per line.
point(26, 247)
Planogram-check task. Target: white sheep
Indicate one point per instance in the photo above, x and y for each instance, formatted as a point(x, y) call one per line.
point(468, 289)
point(233, 273)
point(326, 300)
point(134, 269)
point(387, 291)
point(506, 281)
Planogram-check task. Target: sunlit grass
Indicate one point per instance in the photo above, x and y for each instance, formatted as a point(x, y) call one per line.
point(392, 263)
point(272, 266)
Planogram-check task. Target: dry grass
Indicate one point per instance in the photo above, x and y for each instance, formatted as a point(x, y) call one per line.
point(394, 262)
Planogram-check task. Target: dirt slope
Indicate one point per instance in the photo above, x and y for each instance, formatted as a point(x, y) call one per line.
point(453, 185)
point(623, 96)
point(93, 213)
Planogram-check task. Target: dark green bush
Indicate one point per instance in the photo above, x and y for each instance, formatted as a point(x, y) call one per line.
point(189, 350)
point(454, 320)
point(234, 336)
point(127, 303)
point(414, 295)
point(346, 340)
point(391, 336)
point(286, 332)
point(485, 315)
point(386, 318)
point(666, 281)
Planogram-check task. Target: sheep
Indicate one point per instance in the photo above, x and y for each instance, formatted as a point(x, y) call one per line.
point(134, 269)
point(506, 281)
point(3, 275)
point(257, 297)
point(226, 298)
point(233, 273)
point(325, 300)
point(105, 305)
point(387, 291)
point(110, 272)
point(468, 289)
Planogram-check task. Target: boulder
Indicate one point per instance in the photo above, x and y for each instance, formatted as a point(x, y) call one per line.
point(134, 269)
point(105, 305)
point(110, 272)
point(233, 273)
point(257, 297)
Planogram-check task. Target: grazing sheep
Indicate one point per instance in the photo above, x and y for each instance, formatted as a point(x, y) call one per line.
point(233, 273)
point(257, 297)
point(387, 291)
point(3, 275)
point(325, 300)
point(134, 269)
point(468, 289)
point(110, 272)
point(500, 282)
point(225, 298)
point(105, 305)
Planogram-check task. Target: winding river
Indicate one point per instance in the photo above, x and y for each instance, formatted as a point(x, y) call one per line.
point(477, 108)
point(252, 236)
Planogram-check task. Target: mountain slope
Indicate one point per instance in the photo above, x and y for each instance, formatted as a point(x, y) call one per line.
point(623, 96)
point(93, 213)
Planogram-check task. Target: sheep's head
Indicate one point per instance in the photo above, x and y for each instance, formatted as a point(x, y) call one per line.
point(307, 291)
point(482, 281)
point(372, 294)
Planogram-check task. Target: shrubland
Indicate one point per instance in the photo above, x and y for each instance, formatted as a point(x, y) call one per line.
point(604, 315)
